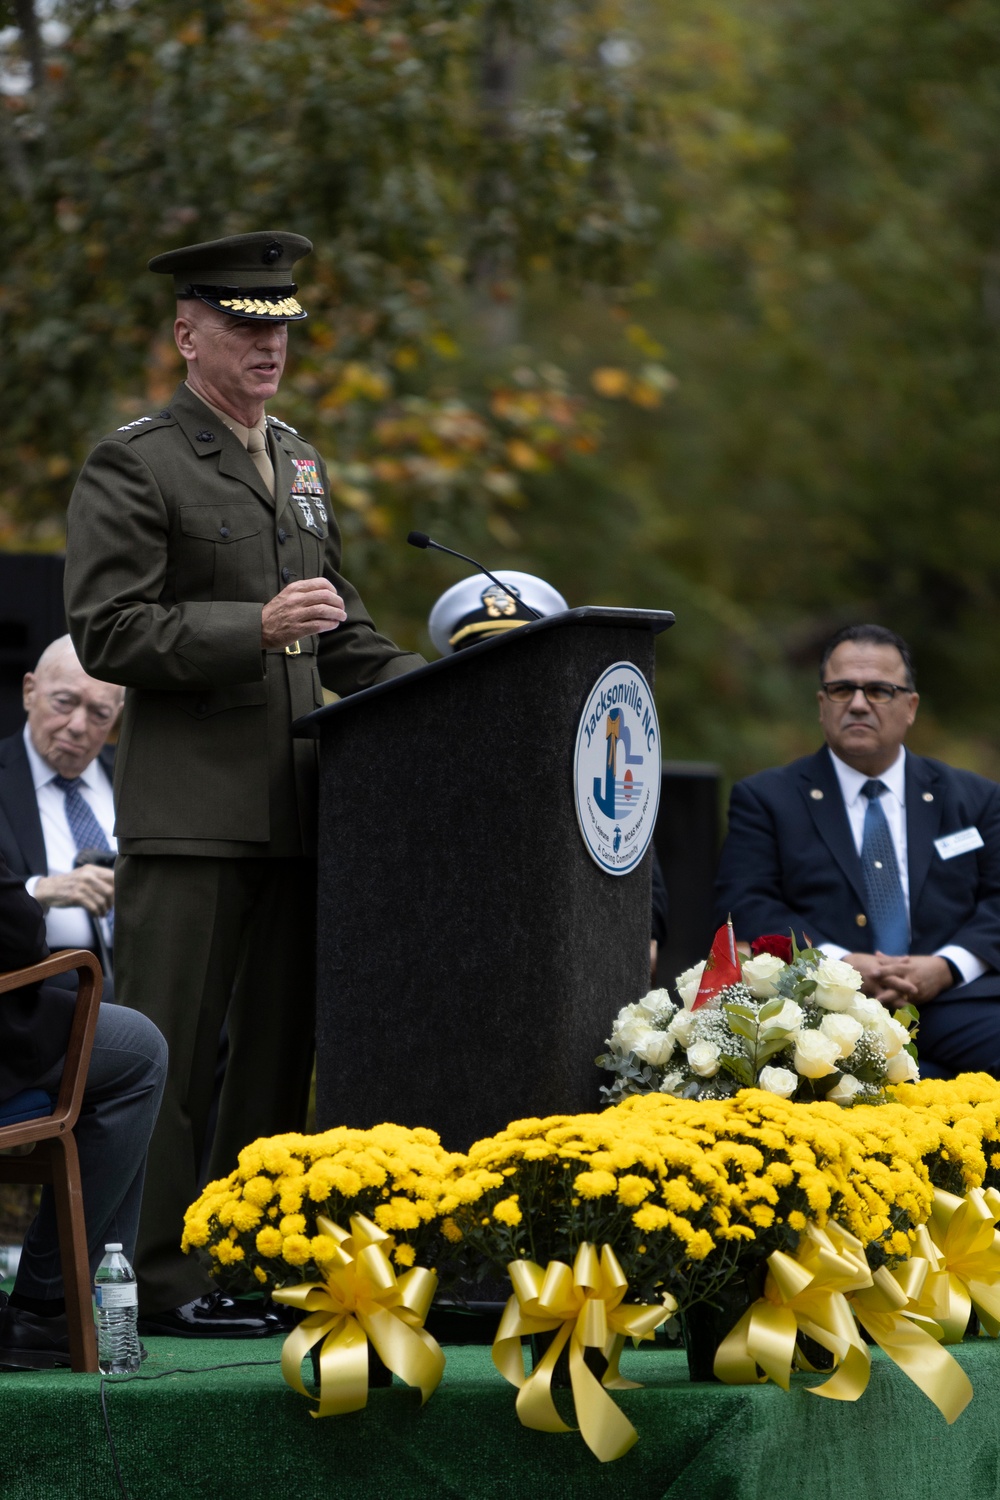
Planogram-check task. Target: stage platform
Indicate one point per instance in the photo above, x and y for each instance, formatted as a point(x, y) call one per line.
point(241, 1432)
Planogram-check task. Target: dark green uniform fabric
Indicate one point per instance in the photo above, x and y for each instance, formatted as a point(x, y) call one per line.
point(174, 546)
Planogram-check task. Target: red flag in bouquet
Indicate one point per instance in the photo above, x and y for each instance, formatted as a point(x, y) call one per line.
point(722, 967)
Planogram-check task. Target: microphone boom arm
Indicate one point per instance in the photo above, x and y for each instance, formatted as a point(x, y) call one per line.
point(421, 539)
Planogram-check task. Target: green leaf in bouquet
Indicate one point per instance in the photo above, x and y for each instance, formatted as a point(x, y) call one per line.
point(772, 1008)
point(906, 1014)
point(743, 1028)
point(767, 1050)
point(910, 1047)
point(870, 1072)
point(738, 1068)
point(735, 1008)
point(804, 989)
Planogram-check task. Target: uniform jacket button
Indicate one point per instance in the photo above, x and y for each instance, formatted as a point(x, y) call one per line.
point(861, 919)
point(205, 436)
point(285, 574)
point(282, 535)
point(223, 530)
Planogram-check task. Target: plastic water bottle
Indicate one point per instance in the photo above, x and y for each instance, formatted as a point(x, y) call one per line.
point(116, 1298)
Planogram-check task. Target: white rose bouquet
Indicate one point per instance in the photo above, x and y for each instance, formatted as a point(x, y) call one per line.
point(795, 1023)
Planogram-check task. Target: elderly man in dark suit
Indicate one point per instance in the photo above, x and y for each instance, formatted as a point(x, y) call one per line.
point(124, 1084)
point(203, 574)
point(884, 858)
point(56, 800)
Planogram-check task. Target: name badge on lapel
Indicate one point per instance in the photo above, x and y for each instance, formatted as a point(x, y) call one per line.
point(962, 842)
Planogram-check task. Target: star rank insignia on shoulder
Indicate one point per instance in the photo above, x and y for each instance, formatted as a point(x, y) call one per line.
point(144, 424)
point(285, 426)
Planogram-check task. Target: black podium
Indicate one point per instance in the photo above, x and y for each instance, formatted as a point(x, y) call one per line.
point(471, 953)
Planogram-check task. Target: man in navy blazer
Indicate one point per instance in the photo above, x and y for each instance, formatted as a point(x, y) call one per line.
point(792, 860)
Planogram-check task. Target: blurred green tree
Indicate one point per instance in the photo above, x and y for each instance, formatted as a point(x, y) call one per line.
point(685, 303)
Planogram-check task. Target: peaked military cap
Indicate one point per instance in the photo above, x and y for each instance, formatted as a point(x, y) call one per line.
point(245, 275)
point(475, 609)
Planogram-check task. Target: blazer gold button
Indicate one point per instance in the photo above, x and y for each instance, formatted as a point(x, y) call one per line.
point(816, 794)
point(861, 919)
point(928, 796)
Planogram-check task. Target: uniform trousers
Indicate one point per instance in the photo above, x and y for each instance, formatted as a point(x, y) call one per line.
point(124, 1082)
point(200, 940)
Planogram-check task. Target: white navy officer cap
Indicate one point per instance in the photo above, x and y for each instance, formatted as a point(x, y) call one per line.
point(476, 609)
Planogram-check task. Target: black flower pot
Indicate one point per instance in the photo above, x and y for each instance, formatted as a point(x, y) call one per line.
point(378, 1373)
point(593, 1358)
point(706, 1324)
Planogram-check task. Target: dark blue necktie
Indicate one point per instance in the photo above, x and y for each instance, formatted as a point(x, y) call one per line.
point(87, 832)
point(886, 906)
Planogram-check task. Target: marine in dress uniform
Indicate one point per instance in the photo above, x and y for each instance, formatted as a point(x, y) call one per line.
point(197, 536)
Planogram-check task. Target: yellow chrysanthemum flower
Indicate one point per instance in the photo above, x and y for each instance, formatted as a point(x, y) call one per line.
point(296, 1249)
point(597, 1184)
point(507, 1211)
point(268, 1241)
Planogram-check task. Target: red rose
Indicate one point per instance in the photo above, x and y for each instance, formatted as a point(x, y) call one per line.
point(772, 942)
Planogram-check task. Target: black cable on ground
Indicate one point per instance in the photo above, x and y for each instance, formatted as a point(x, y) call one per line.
point(161, 1375)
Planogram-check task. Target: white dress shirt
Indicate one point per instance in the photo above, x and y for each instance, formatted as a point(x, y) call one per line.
point(893, 804)
point(67, 926)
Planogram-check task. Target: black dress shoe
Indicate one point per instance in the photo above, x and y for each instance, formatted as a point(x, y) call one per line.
point(214, 1316)
point(28, 1342)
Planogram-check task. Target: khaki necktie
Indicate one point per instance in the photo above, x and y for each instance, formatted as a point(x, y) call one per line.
point(257, 449)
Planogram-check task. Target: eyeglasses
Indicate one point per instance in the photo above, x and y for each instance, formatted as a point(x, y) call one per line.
point(875, 692)
point(66, 704)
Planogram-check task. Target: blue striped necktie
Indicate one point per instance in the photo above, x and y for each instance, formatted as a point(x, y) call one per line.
point(87, 832)
point(886, 905)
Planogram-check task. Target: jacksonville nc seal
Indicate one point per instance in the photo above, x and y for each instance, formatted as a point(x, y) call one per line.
point(616, 769)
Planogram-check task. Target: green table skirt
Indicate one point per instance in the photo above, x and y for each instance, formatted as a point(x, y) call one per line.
point(241, 1434)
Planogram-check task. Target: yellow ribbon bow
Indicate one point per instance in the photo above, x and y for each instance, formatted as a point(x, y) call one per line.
point(584, 1307)
point(804, 1292)
point(361, 1299)
point(891, 1311)
point(961, 1246)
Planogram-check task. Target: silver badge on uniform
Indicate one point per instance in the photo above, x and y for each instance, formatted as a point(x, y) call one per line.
point(307, 515)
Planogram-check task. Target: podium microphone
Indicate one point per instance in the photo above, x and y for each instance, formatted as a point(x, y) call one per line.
point(421, 539)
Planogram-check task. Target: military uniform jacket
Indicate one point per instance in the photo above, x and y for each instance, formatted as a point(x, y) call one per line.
point(174, 546)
